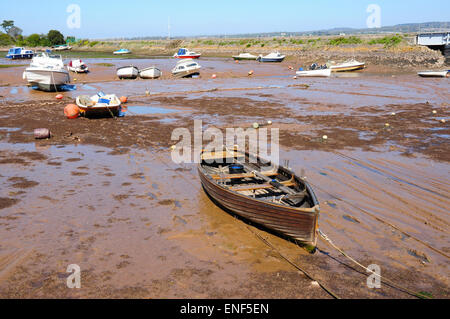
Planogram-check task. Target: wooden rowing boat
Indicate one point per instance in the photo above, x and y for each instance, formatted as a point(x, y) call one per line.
point(254, 189)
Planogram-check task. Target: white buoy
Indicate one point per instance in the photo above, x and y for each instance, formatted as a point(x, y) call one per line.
point(255, 125)
point(393, 113)
point(434, 111)
point(269, 122)
point(324, 137)
point(443, 121)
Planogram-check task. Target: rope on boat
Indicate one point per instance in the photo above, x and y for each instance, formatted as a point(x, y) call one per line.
point(265, 241)
point(391, 283)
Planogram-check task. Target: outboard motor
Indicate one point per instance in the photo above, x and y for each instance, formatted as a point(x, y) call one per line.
point(313, 66)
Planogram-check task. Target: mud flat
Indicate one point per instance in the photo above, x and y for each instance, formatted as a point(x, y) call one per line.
point(104, 193)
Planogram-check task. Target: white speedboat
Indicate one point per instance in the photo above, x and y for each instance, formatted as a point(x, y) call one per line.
point(184, 53)
point(245, 56)
point(47, 72)
point(122, 51)
point(150, 73)
point(77, 66)
point(63, 47)
point(271, 57)
point(351, 65)
point(314, 73)
point(128, 72)
point(186, 68)
point(434, 74)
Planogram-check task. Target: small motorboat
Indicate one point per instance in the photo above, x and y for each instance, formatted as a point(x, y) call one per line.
point(150, 73)
point(186, 68)
point(314, 71)
point(128, 72)
point(98, 105)
point(271, 57)
point(184, 53)
point(77, 66)
point(257, 190)
point(351, 65)
point(47, 72)
point(434, 74)
point(19, 53)
point(62, 47)
point(122, 51)
point(245, 56)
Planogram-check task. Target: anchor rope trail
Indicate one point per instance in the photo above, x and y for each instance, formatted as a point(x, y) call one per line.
point(391, 283)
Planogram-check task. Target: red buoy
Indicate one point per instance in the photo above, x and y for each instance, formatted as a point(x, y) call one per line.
point(123, 99)
point(59, 97)
point(71, 111)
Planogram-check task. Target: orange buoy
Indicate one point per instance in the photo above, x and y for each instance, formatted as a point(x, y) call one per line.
point(213, 76)
point(71, 111)
point(59, 97)
point(250, 72)
point(123, 99)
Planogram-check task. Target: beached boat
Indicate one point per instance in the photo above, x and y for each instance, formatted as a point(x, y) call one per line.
point(150, 73)
point(314, 73)
point(122, 51)
point(47, 72)
point(434, 74)
point(184, 53)
point(98, 105)
point(351, 65)
point(19, 53)
point(62, 47)
point(271, 57)
point(128, 72)
point(186, 68)
point(245, 56)
point(77, 66)
point(268, 195)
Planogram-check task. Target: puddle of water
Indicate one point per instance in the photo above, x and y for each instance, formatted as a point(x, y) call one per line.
point(14, 91)
point(9, 129)
point(143, 110)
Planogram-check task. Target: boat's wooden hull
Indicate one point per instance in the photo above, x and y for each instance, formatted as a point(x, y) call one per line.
point(348, 68)
point(296, 223)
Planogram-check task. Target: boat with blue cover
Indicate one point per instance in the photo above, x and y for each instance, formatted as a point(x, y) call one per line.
point(122, 51)
point(19, 53)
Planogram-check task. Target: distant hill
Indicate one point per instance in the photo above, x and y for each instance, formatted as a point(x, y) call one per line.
point(399, 28)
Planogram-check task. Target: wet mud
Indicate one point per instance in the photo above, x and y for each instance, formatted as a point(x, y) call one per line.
point(104, 193)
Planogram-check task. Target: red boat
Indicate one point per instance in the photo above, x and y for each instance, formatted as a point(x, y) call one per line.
point(184, 53)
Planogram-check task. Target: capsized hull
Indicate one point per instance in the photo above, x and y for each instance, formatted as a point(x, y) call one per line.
point(128, 72)
point(150, 73)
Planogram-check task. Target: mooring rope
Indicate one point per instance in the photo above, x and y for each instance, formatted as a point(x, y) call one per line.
point(384, 222)
point(265, 241)
point(330, 242)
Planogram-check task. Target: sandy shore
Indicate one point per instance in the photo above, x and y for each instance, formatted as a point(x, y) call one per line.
point(105, 195)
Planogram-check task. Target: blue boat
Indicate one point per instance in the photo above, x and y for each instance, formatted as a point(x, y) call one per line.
point(122, 51)
point(19, 53)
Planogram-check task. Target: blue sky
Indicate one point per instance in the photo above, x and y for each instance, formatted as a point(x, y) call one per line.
point(114, 19)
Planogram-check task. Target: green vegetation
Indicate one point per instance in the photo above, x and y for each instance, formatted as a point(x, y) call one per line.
point(344, 40)
point(105, 64)
point(55, 37)
point(4, 66)
point(5, 39)
point(387, 41)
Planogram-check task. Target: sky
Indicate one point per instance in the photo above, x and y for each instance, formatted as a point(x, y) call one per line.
point(100, 19)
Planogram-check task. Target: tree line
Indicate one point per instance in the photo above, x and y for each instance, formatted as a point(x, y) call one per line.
point(12, 35)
